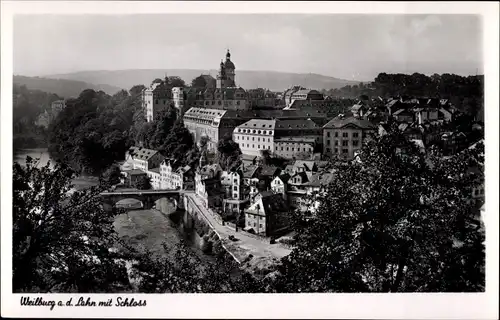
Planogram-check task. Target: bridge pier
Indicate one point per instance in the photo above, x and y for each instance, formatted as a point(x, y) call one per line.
point(147, 197)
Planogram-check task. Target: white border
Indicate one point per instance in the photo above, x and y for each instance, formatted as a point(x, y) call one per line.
point(390, 306)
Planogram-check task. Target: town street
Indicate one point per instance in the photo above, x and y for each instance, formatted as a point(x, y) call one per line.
point(246, 244)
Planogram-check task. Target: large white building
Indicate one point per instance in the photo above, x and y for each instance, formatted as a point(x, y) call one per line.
point(284, 138)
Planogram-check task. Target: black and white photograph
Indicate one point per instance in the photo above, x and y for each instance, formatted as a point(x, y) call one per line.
point(158, 153)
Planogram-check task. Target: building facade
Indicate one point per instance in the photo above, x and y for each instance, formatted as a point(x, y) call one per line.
point(276, 135)
point(268, 215)
point(156, 98)
point(143, 159)
point(343, 136)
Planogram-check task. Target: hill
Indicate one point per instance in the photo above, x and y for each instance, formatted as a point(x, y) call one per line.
point(66, 88)
point(273, 80)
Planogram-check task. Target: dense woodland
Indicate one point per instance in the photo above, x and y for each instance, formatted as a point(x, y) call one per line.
point(27, 106)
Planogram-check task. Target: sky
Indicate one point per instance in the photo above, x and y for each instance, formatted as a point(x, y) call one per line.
point(345, 46)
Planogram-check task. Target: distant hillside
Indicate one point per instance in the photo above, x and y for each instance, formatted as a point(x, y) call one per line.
point(272, 80)
point(66, 88)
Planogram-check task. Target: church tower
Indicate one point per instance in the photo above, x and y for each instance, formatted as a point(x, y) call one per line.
point(221, 76)
point(229, 66)
point(225, 77)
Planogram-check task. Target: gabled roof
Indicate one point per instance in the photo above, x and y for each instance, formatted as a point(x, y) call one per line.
point(340, 122)
point(309, 165)
point(284, 177)
point(303, 175)
point(271, 203)
point(320, 179)
point(268, 171)
point(250, 171)
point(141, 153)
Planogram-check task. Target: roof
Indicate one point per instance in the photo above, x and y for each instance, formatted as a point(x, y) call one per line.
point(141, 153)
point(204, 113)
point(303, 175)
point(249, 172)
point(290, 124)
point(183, 169)
point(340, 122)
point(402, 111)
point(259, 124)
point(295, 139)
point(271, 202)
point(284, 177)
point(309, 165)
point(356, 107)
point(155, 170)
point(306, 91)
point(135, 172)
point(320, 179)
point(269, 170)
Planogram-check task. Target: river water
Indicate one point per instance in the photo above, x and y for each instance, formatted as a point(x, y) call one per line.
point(143, 229)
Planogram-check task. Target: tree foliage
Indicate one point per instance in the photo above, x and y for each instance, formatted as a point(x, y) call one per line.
point(228, 154)
point(94, 130)
point(396, 221)
point(186, 272)
point(143, 183)
point(61, 238)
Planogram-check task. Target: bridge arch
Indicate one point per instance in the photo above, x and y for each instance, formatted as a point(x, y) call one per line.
point(148, 198)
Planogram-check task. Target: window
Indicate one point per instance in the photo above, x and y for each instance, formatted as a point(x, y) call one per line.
point(327, 142)
point(327, 149)
point(345, 143)
point(336, 150)
point(253, 146)
point(258, 139)
point(287, 149)
point(235, 180)
point(355, 143)
point(281, 148)
point(328, 134)
point(276, 148)
point(345, 134)
point(355, 134)
point(336, 134)
point(268, 139)
point(258, 147)
point(268, 147)
point(336, 142)
point(345, 151)
point(253, 138)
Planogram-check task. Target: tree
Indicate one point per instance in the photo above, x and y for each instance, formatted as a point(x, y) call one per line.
point(265, 156)
point(179, 143)
point(187, 273)
point(113, 175)
point(396, 221)
point(61, 239)
point(175, 81)
point(136, 90)
point(143, 183)
point(228, 154)
point(199, 82)
point(162, 127)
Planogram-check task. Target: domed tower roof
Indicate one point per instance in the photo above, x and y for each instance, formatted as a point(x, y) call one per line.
point(229, 64)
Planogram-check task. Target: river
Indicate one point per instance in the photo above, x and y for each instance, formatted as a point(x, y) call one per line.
point(143, 229)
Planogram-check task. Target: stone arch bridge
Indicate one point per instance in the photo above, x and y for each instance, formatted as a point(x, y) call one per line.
point(147, 197)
